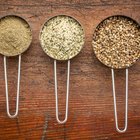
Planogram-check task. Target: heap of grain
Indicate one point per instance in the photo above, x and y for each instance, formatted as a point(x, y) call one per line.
point(116, 42)
point(62, 37)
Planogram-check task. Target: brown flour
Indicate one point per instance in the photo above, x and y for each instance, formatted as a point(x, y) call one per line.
point(15, 35)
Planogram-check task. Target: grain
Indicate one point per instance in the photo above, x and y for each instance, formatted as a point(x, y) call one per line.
point(62, 37)
point(116, 42)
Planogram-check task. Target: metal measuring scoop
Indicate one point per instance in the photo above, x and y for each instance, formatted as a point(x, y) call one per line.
point(116, 44)
point(62, 38)
point(9, 25)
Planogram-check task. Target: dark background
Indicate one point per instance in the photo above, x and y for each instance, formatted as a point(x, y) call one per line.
point(91, 115)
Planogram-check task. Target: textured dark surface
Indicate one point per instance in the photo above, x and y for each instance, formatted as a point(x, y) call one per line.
point(91, 115)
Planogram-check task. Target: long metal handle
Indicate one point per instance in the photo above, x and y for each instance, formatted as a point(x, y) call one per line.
point(6, 88)
point(56, 94)
point(126, 103)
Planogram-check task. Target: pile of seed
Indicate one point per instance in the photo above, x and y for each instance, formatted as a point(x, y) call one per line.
point(15, 35)
point(116, 42)
point(62, 37)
